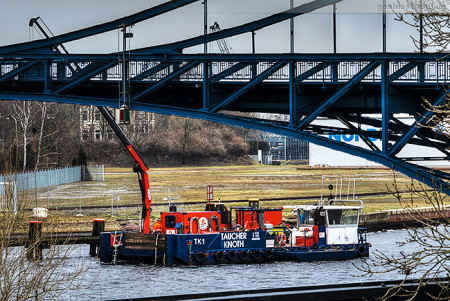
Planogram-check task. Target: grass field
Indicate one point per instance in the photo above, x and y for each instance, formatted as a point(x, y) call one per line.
point(188, 184)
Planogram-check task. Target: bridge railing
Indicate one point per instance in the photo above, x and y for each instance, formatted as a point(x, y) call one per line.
point(431, 71)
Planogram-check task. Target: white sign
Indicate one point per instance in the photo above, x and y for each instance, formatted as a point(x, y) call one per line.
point(203, 223)
point(322, 156)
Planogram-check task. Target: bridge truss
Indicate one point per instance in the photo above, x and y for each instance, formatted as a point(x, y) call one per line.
point(162, 79)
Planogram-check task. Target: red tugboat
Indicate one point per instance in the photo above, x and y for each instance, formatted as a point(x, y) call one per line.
point(236, 234)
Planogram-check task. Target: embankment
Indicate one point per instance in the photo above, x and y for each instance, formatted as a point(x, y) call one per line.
point(402, 218)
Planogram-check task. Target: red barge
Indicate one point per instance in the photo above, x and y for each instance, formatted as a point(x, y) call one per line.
point(324, 231)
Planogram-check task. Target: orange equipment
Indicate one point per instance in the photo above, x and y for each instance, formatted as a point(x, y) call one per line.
point(157, 227)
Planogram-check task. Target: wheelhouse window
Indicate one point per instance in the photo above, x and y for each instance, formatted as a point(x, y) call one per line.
point(305, 217)
point(343, 216)
point(170, 221)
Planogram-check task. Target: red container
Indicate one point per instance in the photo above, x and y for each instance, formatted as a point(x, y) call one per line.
point(302, 242)
point(273, 216)
point(196, 222)
point(247, 217)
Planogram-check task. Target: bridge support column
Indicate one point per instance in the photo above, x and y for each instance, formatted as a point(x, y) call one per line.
point(61, 72)
point(385, 105)
point(206, 80)
point(47, 75)
point(292, 94)
point(421, 70)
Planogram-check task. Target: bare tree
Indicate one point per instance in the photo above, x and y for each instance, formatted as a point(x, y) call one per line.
point(57, 137)
point(24, 115)
point(429, 241)
point(431, 20)
point(427, 256)
point(44, 278)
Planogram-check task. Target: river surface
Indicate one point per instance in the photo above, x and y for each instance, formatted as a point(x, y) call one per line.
point(109, 282)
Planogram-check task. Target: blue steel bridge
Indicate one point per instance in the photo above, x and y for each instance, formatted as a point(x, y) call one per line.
point(221, 87)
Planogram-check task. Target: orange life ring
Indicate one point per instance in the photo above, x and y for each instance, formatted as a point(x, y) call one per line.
point(281, 239)
point(191, 225)
point(116, 239)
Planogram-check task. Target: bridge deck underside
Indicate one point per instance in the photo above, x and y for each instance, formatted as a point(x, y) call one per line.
point(265, 98)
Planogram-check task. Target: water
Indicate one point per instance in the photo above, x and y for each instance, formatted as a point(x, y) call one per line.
point(109, 282)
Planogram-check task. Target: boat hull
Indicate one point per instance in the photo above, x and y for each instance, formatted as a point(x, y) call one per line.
point(316, 255)
point(217, 248)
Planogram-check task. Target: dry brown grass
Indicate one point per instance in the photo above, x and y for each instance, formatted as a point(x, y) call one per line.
point(230, 183)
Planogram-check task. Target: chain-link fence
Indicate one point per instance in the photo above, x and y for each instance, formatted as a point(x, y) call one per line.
point(55, 176)
point(95, 172)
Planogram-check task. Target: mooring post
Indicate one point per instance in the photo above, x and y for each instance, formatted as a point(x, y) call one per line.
point(34, 244)
point(156, 247)
point(98, 226)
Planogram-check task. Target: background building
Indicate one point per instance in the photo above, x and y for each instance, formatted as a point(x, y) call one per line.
point(322, 156)
point(94, 127)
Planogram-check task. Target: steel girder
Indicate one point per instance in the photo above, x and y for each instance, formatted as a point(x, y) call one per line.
point(424, 118)
point(248, 27)
point(18, 70)
point(338, 94)
point(422, 174)
point(258, 79)
point(47, 44)
point(55, 85)
point(164, 81)
point(337, 86)
point(297, 79)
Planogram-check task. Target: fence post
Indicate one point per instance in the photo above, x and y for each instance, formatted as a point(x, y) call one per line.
point(112, 201)
point(34, 243)
point(97, 228)
point(80, 198)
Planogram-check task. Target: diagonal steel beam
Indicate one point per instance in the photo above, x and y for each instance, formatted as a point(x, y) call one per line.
point(440, 146)
point(18, 70)
point(400, 72)
point(439, 174)
point(248, 27)
point(229, 71)
point(151, 71)
point(316, 69)
point(422, 120)
point(338, 94)
point(396, 127)
point(161, 83)
point(363, 136)
point(248, 86)
point(84, 77)
point(97, 29)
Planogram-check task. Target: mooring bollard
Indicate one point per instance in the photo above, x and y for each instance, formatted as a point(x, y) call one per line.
point(98, 226)
point(34, 243)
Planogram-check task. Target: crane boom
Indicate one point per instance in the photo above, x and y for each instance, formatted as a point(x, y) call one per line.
point(139, 167)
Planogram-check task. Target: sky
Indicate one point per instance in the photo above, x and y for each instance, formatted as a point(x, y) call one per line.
point(359, 24)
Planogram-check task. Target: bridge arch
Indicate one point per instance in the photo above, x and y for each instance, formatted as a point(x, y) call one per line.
point(163, 79)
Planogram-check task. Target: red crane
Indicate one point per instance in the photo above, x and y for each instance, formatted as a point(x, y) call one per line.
point(139, 167)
